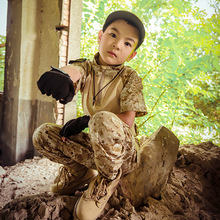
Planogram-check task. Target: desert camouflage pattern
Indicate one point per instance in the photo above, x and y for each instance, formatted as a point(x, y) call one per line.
point(110, 145)
point(124, 93)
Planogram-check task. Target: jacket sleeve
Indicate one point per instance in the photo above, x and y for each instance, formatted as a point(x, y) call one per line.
point(131, 98)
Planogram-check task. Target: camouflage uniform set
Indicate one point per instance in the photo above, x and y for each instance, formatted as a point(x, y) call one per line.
point(110, 144)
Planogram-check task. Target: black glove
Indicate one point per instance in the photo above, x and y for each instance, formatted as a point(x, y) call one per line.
point(74, 126)
point(58, 84)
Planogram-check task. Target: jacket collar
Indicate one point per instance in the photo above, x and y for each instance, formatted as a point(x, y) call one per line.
point(98, 67)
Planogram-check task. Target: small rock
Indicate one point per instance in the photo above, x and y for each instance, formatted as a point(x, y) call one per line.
point(2, 171)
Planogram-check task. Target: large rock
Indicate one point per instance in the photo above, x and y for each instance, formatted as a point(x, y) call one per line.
point(156, 158)
point(191, 193)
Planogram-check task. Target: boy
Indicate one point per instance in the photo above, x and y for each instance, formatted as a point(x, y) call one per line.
point(111, 98)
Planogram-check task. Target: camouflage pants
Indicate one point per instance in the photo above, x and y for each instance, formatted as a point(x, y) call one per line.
point(109, 146)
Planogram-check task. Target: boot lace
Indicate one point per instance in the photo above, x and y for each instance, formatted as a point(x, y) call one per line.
point(64, 177)
point(100, 188)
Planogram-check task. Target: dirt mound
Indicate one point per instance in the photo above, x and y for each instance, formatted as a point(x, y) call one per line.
point(192, 191)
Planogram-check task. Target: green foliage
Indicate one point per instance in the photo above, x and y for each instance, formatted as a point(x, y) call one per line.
point(2, 61)
point(178, 62)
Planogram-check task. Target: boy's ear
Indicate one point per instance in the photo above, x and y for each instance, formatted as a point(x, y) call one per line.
point(131, 56)
point(100, 36)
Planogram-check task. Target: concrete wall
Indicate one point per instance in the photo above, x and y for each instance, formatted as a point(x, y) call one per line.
point(70, 29)
point(32, 46)
point(73, 49)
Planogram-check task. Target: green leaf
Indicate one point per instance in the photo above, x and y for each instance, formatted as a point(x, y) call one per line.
point(216, 63)
point(180, 53)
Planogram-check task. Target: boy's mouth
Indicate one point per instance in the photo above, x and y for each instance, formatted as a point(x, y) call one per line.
point(112, 53)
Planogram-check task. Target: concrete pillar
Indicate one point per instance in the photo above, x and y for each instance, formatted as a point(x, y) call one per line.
point(32, 47)
point(73, 49)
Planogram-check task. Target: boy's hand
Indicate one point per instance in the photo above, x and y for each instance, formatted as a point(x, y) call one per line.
point(58, 84)
point(74, 126)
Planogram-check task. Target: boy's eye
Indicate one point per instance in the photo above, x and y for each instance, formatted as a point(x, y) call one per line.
point(127, 44)
point(113, 35)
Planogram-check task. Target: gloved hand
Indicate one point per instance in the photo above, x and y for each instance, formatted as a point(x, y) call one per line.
point(58, 84)
point(75, 126)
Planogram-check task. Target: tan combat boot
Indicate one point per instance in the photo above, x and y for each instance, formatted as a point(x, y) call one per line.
point(68, 182)
point(91, 204)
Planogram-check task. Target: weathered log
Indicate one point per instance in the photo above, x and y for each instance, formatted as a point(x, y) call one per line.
point(156, 158)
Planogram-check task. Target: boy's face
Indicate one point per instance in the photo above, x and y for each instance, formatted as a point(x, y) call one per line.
point(117, 44)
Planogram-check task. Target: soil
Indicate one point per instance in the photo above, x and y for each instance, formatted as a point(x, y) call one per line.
point(192, 191)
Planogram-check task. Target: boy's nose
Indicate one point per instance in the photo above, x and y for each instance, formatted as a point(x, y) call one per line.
point(116, 46)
